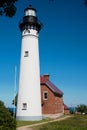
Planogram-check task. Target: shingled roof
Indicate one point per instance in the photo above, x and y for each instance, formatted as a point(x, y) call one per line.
point(48, 83)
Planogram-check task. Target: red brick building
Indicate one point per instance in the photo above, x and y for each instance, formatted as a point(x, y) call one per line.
point(66, 110)
point(51, 97)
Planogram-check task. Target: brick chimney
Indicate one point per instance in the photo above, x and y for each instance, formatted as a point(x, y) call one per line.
point(46, 76)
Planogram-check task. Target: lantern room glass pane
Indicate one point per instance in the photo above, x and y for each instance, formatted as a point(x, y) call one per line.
point(30, 13)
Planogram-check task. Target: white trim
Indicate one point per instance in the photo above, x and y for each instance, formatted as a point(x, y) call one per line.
point(44, 95)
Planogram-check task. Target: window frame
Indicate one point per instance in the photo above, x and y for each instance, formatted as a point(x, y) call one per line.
point(45, 97)
point(24, 106)
point(26, 54)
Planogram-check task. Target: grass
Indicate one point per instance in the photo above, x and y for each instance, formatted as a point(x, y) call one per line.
point(77, 122)
point(24, 123)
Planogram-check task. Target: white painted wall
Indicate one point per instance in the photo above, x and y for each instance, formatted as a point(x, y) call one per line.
point(29, 79)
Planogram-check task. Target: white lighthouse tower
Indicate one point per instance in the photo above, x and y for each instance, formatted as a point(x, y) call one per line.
point(29, 95)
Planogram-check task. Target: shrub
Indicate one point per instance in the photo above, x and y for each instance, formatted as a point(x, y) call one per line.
point(7, 122)
point(82, 108)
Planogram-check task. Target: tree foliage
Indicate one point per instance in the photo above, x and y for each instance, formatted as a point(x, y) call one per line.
point(7, 122)
point(14, 102)
point(7, 7)
point(82, 108)
point(85, 2)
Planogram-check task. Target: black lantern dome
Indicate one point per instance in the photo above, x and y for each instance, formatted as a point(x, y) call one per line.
point(30, 20)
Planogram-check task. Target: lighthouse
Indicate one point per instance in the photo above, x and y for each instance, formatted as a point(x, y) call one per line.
point(29, 94)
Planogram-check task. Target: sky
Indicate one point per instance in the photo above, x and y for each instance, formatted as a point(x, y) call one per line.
point(62, 48)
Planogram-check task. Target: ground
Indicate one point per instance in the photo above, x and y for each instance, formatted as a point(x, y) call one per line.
point(29, 127)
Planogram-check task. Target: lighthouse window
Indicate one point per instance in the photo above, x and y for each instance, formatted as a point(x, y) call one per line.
point(32, 27)
point(26, 31)
point(45, 95)
point(26, 54)
point(24, 106)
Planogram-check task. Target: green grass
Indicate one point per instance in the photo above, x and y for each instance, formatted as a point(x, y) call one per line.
point(24, 123)
point(77, 122)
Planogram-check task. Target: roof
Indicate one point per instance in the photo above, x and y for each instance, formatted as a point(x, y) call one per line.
point(66, 107)
point(48, 83)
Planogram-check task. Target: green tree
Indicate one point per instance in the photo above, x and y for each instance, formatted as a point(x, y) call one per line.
point(82, 108)
point(7, 7)
point(14, 102)
point(7, 122)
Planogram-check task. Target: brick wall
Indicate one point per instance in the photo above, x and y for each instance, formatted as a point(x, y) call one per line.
point(66, 112)
point(53, 104)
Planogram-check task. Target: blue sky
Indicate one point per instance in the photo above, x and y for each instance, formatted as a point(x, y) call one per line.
point(62, 48)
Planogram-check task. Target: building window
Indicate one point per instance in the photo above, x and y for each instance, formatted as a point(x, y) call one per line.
point(24, 106)
point(26, 54)
point(45, 95)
